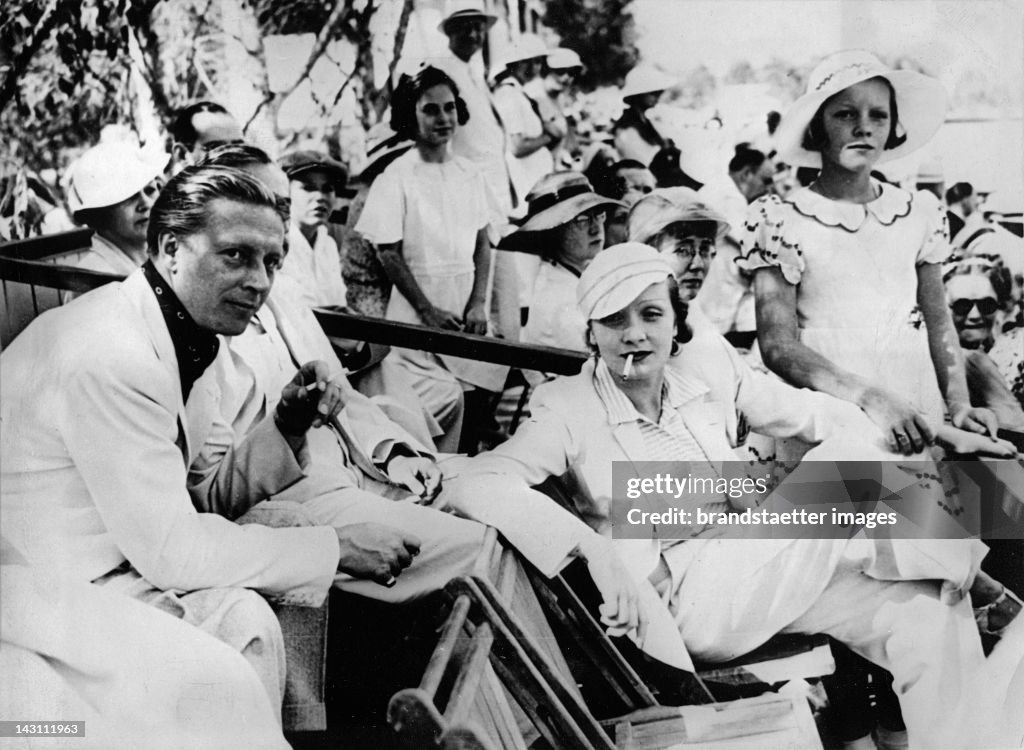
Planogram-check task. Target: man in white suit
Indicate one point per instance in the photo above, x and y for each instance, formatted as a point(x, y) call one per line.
point(107, 401)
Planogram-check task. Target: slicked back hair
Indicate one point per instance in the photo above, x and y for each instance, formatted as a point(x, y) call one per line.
point(183, 206)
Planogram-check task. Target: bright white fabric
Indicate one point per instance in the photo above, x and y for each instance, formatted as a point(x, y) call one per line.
point(855, 270)
point(727, 296)
point(521, 118)
point(436, 211)
point(312, 274)
point(555, 318)
point(482, 139)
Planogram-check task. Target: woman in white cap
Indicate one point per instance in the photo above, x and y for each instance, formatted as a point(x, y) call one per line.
point(111, 189)
point(848, 280)
point(636, 137)
point(726, 596)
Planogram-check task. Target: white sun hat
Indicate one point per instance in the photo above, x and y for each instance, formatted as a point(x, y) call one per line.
point(526, 47)
point(563, 58)
point(616, 276)
point(920, 102)
point(110, 173)
point(646, 80)
point(456, 9)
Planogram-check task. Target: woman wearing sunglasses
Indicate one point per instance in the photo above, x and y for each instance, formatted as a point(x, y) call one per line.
point(974, 304)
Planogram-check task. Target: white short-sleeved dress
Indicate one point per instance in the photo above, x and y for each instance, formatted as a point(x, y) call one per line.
point(855, 269)
point(435, 210)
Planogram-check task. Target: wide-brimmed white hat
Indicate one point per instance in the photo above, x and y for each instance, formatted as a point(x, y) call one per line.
point(666, 206)
point(920, 101)
point(111, 172)
point(563, 58)
point(618, 275)
point(646, 80)
point(456, 9)
point(526, 47)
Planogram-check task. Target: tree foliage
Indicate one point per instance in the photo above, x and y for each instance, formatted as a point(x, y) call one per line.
point(602, 34)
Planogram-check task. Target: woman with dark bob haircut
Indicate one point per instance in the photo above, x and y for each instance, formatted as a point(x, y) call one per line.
point(427, 215)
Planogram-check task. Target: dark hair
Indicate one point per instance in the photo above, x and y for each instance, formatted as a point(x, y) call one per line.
point(667, 172)
point(182, 208)
point(683, 332)
point(745, 156)
point(182, 129)
point(614, 184)
point(815, 138)
point(772, 120)
point(408, 93)
point(242, 156)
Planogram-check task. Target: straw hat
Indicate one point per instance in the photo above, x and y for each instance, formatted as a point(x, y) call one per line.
point(110, 173)
point(456, 9)
point(562, 58)
point(645, 80)
point(618, 275)
point(526, 47)
point(666, 206)
point(920, 99)
point(554, 200)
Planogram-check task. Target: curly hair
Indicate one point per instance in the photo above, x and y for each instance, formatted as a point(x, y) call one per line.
point(816, 139)
point(182, 208)
point(408, 93)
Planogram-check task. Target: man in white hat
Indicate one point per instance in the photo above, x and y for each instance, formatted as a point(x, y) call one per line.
point(111, 188)
point(482, 138)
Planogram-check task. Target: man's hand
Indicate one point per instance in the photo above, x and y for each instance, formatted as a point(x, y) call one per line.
point(420, 475)
point(375, 551)
point(621, 610)
point(311, 399)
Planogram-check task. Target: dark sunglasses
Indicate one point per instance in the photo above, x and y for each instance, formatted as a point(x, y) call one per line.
point(986, 306)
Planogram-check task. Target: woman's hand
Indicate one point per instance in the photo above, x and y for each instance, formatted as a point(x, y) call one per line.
point(975, 419)
point(476, 318)
point(905, 428)
point(436, 317)
point(621, 610)
point(972, 444)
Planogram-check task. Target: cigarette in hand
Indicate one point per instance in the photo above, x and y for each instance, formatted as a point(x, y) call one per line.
point(628, 368)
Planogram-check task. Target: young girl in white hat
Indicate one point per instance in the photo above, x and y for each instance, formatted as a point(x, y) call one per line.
point(848, 277)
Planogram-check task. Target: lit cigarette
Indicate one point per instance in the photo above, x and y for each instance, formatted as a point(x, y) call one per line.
point(628, 368)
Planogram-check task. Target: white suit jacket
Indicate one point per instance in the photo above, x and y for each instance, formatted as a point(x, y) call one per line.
point(569, 435)
point(96, 442)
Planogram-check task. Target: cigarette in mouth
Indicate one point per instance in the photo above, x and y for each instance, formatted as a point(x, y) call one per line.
point(627, 368)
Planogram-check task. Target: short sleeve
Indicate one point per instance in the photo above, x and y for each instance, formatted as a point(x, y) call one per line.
point(936, 247)
point(382, 219)
point(507, 102)
point(763, 241)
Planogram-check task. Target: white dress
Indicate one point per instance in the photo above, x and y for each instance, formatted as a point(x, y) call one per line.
point(855, 270)
point(435, 210)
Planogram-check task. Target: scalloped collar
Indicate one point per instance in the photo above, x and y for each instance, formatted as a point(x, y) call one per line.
point(892, 203)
